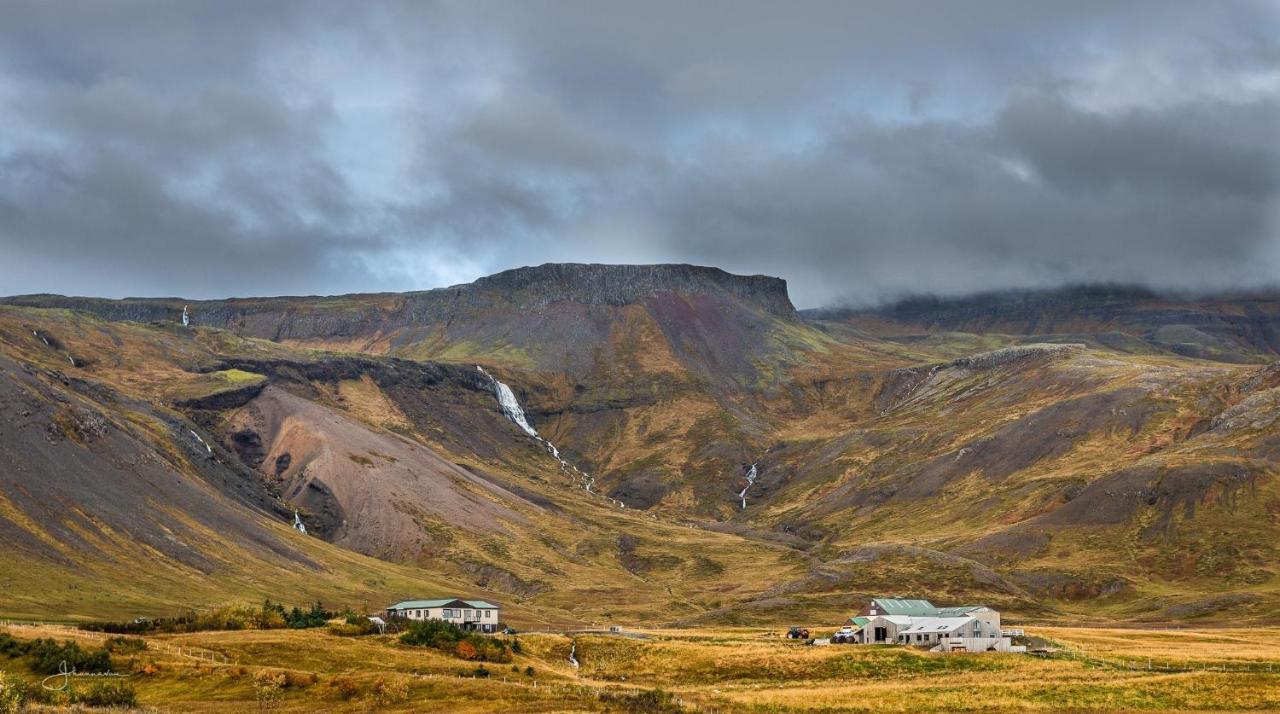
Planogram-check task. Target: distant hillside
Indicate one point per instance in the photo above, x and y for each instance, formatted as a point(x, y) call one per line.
point(1229, 328)
point(1090, 452)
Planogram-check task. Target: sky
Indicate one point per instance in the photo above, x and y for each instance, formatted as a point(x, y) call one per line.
point(864, 151)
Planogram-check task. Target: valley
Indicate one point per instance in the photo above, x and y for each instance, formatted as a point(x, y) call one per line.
point(698, 452)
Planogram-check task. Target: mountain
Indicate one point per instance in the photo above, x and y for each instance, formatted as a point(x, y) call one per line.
point(688, 446)
point(1230, 328)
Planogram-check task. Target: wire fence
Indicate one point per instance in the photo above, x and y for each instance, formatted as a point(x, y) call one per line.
point(1153, 664)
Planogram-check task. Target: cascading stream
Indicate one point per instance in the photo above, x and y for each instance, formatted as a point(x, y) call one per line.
point(751, 479)
point(297, 523)
point(515, 413)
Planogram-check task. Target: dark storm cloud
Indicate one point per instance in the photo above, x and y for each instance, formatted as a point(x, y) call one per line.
point(860, 150)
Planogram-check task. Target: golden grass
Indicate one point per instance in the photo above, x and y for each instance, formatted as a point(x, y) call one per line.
point(708, 670)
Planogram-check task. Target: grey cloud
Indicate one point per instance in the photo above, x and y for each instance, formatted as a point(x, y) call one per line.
point(861, 150)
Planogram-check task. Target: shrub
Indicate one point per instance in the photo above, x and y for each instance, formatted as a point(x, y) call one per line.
point(267, 686)
point(465, 650)
point(48, 657)
point(11, 646)
point(346, 687)
point(124, 645)
point(269, 616)
point(300, 680)
point(650, 701)
point(13, 693)
point(448, 637)
point(353, 626)
point(110, 694)
point(388, 691)
point(481, 673)
point(528, 671)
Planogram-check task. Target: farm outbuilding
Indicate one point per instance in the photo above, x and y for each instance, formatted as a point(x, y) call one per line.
point(920, 623)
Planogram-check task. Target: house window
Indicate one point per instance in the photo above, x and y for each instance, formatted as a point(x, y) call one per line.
point(447, 612)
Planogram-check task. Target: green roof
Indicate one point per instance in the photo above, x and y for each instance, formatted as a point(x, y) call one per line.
point(902, 606)
point(919, 608)
point(425, 604)
point(859, 621)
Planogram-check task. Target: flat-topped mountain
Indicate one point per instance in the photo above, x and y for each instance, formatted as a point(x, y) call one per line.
point(519, 290)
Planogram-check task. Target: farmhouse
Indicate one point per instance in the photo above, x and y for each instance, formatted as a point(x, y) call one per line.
point(921, 623)
point(467, 614)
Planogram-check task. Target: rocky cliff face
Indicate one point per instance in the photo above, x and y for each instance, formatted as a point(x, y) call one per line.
point(519, 290)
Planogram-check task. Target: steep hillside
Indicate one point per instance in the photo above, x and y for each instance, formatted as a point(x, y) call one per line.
point(691, 449)
point(185, 453)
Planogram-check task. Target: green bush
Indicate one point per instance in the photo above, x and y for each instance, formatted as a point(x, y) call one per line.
point(49, 657)
point(124, 645)
point(448, 637)
point(110, 694)
point(11, 646)
point(269, 616)
point(353, 629)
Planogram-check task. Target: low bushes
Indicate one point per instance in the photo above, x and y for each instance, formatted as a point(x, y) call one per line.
point(48, 656)
point(650, 701)
point(448, 637)
point(269, 616)
point(110, 694)
point(354, 625)
point(13, 693)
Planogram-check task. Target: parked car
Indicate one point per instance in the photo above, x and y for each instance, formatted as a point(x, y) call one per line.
point(844, 636)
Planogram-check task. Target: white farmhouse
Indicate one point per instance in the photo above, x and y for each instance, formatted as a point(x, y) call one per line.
point(468, 614)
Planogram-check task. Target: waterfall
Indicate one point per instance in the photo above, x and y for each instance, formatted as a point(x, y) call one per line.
point(186, 317)
point(511, 407)
point(202, 442)
point(297, 523)
point(751, 478)
point(515, 413)
point(573, 650)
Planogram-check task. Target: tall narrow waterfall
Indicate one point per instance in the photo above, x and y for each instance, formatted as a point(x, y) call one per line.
point(297, 523)
point(751, 479)
point(511, 407)
point(515, 413)
point(186, 317)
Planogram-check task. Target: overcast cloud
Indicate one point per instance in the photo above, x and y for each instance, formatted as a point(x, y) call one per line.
point(860, 150)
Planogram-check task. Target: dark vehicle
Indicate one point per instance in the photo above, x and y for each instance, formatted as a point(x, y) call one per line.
point(798, 633)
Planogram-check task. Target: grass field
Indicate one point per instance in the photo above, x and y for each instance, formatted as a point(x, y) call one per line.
point(697, 670)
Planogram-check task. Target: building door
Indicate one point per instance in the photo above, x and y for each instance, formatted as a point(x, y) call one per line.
point(882, 634)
